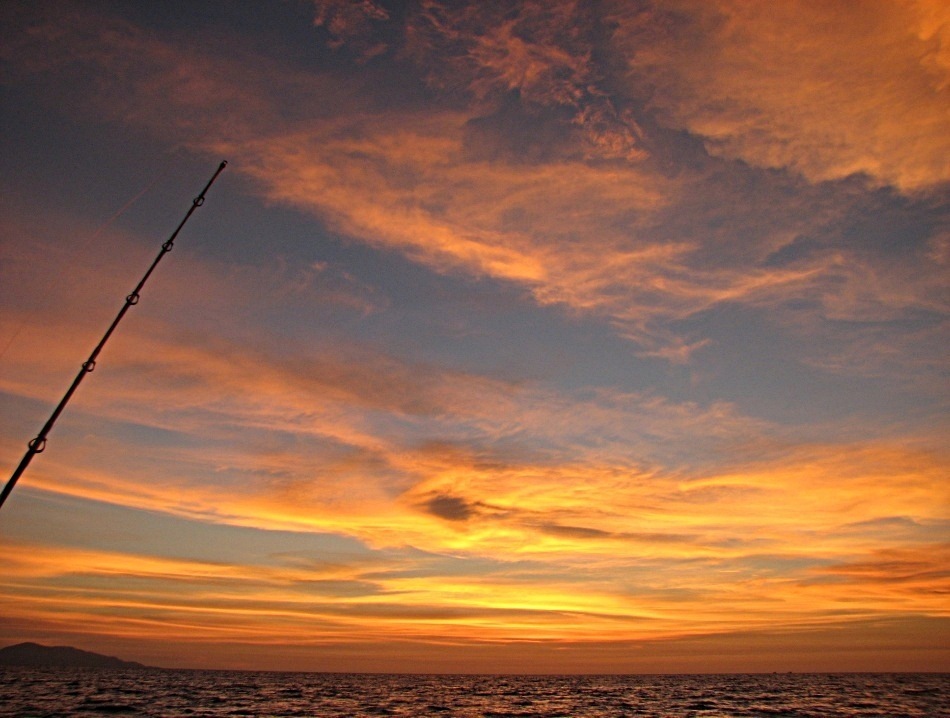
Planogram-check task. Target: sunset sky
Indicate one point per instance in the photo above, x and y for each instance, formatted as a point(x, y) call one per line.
point(536, 336)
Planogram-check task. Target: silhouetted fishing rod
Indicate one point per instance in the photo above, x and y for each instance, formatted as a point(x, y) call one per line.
point(37, 444)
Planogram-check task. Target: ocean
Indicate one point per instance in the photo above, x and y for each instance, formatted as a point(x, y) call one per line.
point(157, 692)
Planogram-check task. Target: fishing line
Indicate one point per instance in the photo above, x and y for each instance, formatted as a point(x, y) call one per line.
point(81, 248)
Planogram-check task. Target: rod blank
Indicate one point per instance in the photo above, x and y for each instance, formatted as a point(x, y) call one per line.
point(38, 443)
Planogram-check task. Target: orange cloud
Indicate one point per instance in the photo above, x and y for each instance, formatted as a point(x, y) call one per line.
point(827, 90)
point(748, 551)
point(574, 234)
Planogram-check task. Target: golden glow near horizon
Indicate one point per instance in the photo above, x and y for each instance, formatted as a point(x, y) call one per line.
point(547, 337)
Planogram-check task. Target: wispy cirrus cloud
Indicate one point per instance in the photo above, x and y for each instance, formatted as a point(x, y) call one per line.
point(352, 440)
point(454, 186)
point(585, 580)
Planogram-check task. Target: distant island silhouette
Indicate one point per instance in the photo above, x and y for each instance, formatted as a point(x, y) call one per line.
point(37, 656)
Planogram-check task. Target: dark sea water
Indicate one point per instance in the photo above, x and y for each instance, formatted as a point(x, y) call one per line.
point(62, 692)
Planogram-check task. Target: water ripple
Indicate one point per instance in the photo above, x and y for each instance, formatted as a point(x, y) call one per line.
point(216, 694)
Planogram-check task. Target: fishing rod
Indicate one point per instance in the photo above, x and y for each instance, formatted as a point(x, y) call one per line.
point(38, 444)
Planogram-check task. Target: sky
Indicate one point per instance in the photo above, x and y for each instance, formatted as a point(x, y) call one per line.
point(531, 337)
